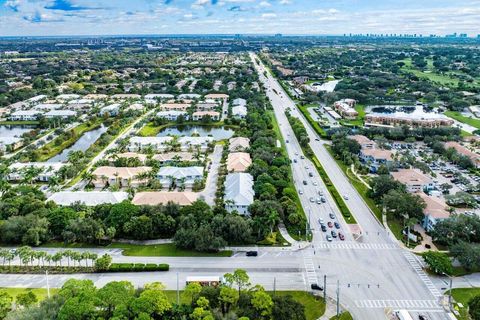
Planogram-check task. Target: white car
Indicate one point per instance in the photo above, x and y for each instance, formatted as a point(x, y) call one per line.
point(315, 183)
point(300, 192)
point(329, 238)
point(345, 197)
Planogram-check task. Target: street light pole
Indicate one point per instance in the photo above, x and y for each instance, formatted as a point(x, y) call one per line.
point(178, 293)
point(48, 285)
point(325, 288)
point(338, 298)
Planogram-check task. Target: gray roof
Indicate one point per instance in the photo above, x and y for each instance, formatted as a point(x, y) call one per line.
point(239, 188)
point(60, 113)
point(180, 172)
point(93, 198)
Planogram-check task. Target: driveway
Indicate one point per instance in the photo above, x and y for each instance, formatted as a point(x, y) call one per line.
point(208, 194)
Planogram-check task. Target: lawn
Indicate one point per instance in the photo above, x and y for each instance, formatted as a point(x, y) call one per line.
point(40, 293)
point(358, 122)
point(163, 250)
point(151, 130)
point(463, 295)
point(430, 75)
point(158, 250)
point(467, 120)
point(19, 123)
point(51, 149)
point(343, 316)
point(314, 307)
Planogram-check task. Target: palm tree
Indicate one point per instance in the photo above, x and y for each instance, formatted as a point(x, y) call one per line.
point(57, 258)
point(87, 176)
point(53, 183)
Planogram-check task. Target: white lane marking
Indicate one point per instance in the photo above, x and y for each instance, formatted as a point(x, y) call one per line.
point(404, 304)
point(417, 267)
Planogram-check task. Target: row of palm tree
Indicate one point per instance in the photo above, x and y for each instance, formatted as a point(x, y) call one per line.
point(29, 257)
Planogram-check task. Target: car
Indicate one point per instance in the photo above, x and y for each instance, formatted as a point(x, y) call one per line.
point(286, 141)
point(319, 201)
point(312, 200)
point(330, 224)
point(334, 234)
point(320, 220)
point(310, 174)
point(252, 253)
point(300, 191)
point(341, 236)
point(337, 225)
point(306, 167)
point(345, 197)
point(295, 160)
point(302, 157)
point(304, 182)
point(296, 153)
point(331, 215)
point(323, 200)
point(316, 139)
point(329, 238)
point(324, 228)
point(315, 286)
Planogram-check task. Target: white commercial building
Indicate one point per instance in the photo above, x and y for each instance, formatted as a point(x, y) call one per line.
point(25, 115)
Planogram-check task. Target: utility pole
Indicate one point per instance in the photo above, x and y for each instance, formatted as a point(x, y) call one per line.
point(274, 285)
point(178, 293)
point(325, 288)
point(48, 286)
point(450, 294)
point(338, 298)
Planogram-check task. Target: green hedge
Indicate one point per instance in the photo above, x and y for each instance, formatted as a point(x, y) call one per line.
point(137, 267)
point(319, 130)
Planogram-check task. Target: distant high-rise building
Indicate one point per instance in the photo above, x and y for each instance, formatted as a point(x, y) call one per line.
point(278, 35)
point(463, 35)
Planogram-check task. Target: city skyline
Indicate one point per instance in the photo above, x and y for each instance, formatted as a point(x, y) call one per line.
point(89, 17)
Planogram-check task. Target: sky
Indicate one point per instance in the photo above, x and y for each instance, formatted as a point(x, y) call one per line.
point(315, 17)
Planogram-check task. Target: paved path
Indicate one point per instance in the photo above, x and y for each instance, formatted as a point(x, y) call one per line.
point(208, 194)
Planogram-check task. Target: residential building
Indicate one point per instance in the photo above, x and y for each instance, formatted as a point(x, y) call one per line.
point(159, 96)
point(239, 192)
point(413, 179)
point(206, 106)
point(238, 161)
point(239, 102)
point(25, 115)
point(169, 157)
point(10, 143)
point(363, 141)
point(436, 210)
point(475, 157)
point(47, 106)
point(128, 155)
point(88, 198)
point(159, 144)
point(194, 143)
point(346, 108)
point(184, 198)
point(239, 112)
point(238, 144)
point(172, 115)
point(125, 96)
point(179, 176)
point(175, 106)
point(374, 158)
point(217, 96)
point(67, 97)
point(63, 114)
point(121, 176)
point(112, 110)
point(45, 170)
point(191, 96)
point(199, 115)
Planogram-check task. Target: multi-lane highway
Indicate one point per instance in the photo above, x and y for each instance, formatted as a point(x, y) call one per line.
point(375, 274)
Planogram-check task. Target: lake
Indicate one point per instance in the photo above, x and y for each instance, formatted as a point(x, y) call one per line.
point(82, 144)
point(218, 133)
point(14, 131)
point(414, 112)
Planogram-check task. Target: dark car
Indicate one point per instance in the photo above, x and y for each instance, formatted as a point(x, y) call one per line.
point(324, 228)
point(315, 286)
point(332, 216)
point(341, 236)
point(286, 141)
point(334, 234)
point(304, 182)
point(252, 253)
point(337, 225)
point(330, 224)
point(295, 160)
point(310, 174)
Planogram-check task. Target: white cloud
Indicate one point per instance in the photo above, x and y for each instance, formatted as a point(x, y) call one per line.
point(269, 15)
point(264, 4)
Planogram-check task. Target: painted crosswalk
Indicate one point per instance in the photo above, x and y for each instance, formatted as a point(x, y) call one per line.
point(398, 304)
point(310, 270)
point(417, 266)
point(357, 245)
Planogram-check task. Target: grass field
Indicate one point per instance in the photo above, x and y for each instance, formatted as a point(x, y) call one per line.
point(159, 250)
point(164, 250)
point(463, 295)
point(40, 293)
point(467, 120)
point(314, 308)
point(151, 130)
point(19, 123)
point(442, 79)
point(343, 316)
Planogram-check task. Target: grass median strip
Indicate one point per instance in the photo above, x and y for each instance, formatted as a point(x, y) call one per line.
point(463, 296)
point(461, 118)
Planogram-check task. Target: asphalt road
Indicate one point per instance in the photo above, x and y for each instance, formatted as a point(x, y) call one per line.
point(375, 275)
